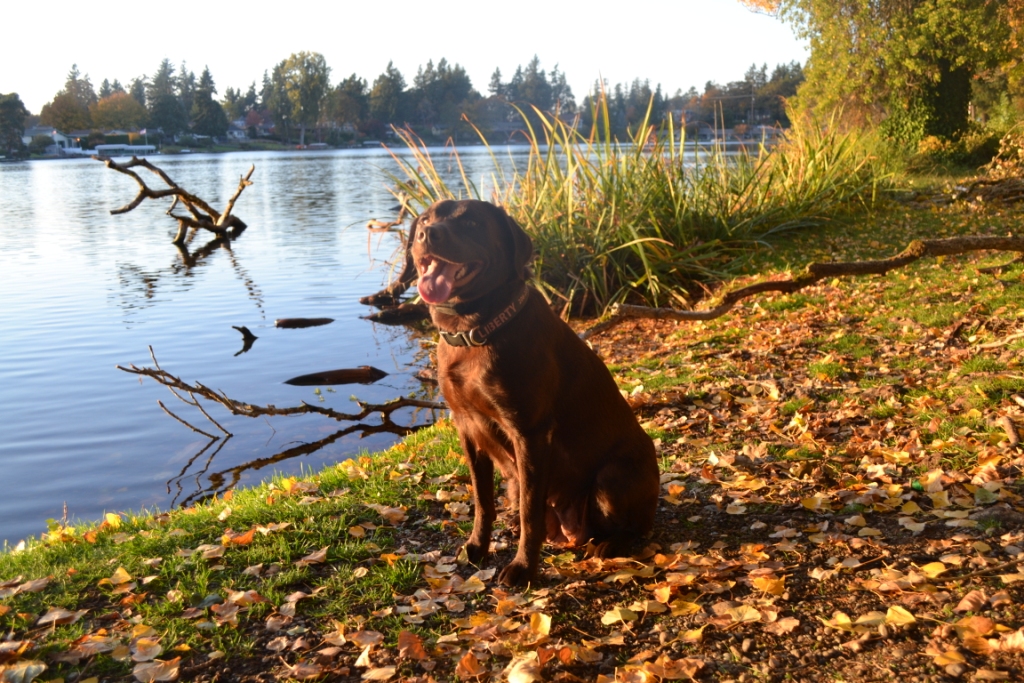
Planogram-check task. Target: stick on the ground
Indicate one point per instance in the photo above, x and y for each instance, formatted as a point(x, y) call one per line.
point(202, 215)
point(813, 273)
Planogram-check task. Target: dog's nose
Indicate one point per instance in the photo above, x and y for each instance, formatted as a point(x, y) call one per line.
point(429, 234)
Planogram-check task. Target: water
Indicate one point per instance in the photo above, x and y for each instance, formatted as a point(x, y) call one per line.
point(83, 291)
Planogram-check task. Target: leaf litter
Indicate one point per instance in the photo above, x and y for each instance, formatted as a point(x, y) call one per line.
point(841, 499)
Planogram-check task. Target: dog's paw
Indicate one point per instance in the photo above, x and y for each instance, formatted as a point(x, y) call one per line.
point(515, 573)
point(476, 553)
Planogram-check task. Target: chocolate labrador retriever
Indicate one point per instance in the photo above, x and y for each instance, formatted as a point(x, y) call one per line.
point(527, 395)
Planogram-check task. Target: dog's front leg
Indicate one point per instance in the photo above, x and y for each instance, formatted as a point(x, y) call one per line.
point(532, 464)
point(481, 471)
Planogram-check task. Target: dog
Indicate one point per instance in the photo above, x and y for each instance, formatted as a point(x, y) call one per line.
point(528, 396)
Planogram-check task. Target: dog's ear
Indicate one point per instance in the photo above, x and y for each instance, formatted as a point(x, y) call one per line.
point(522, 246)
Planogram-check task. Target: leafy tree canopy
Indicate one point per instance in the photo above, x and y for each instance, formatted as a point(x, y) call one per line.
point(904, 58)
point(119, 110)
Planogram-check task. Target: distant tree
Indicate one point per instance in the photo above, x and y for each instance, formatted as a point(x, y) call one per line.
point(165, 110)
point(12, 123)
point(119, 110)
point(65, 113)
point(80, 87)
point(232, 103)
point(495, 87)
point(561, 94)
point(208, 117)
point(386, 96)
point(69, 109)
point(138, 90)
point(105, 89)
point(251, 100)
point(186, 87)
point(276, 102)
point(442, 94)
point(350, 101)
point(306, 79)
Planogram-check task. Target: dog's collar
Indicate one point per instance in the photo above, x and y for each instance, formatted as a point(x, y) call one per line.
point(478, 335)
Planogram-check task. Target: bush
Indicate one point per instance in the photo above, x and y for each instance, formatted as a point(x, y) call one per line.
point(971, 151)
point(39, 144)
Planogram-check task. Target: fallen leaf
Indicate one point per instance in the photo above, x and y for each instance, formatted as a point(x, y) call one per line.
point(313, 558)
point(524, 669)
point(618, 614)
point(469, 667)
point(380, 674)
point(22, 672)
point(305, 670)
point(782, 626)
point(159, 670)
point(410, 646)
point(146, 649)
point(58, 615)
point(540, 624)
point(972, 602)
point(899, 616)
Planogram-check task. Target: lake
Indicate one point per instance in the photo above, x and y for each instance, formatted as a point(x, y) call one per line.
point(84, 291)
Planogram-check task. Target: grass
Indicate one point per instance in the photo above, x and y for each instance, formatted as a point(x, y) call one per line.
point(649, 218)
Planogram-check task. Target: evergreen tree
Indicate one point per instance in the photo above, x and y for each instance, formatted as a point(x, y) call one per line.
point(386, 96)
point(138, 90)
point(350, 101)
point(165, 110)
point(12, 123)
point(208, 117)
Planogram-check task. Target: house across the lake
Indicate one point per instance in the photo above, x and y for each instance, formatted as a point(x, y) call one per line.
point(63, 144)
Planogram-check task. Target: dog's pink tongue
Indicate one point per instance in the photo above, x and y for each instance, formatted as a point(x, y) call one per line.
point(436, 282)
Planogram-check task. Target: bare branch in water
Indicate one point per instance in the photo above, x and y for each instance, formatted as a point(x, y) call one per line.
point(201, 214)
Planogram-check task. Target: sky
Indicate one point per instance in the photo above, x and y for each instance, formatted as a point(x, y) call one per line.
point(678, 44)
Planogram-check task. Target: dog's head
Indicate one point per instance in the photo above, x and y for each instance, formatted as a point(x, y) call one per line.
point(465, 249)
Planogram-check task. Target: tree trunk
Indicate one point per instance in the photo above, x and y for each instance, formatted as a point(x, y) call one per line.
point(949, 101)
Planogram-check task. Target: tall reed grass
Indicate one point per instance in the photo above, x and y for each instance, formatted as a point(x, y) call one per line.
point(649, 218)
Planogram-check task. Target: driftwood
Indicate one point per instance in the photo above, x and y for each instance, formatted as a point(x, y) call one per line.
point(364, 374)
point(226, 479)
point(201, 214)
point(813, 273)
point(299, 323)
point(197, 390)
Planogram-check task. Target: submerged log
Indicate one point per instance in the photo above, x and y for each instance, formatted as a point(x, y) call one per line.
point(364, 374)
point(299, 323)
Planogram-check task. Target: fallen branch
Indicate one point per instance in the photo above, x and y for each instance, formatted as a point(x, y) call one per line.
point(165, 378)
point(813, 273)
point(201, 214)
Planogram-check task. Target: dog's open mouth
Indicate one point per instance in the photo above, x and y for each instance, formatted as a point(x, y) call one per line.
point(439, 278)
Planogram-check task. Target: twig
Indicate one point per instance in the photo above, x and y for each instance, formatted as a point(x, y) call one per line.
point(1002, 342)
point(990, 570)
point(812, 274)
point(194, 429)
